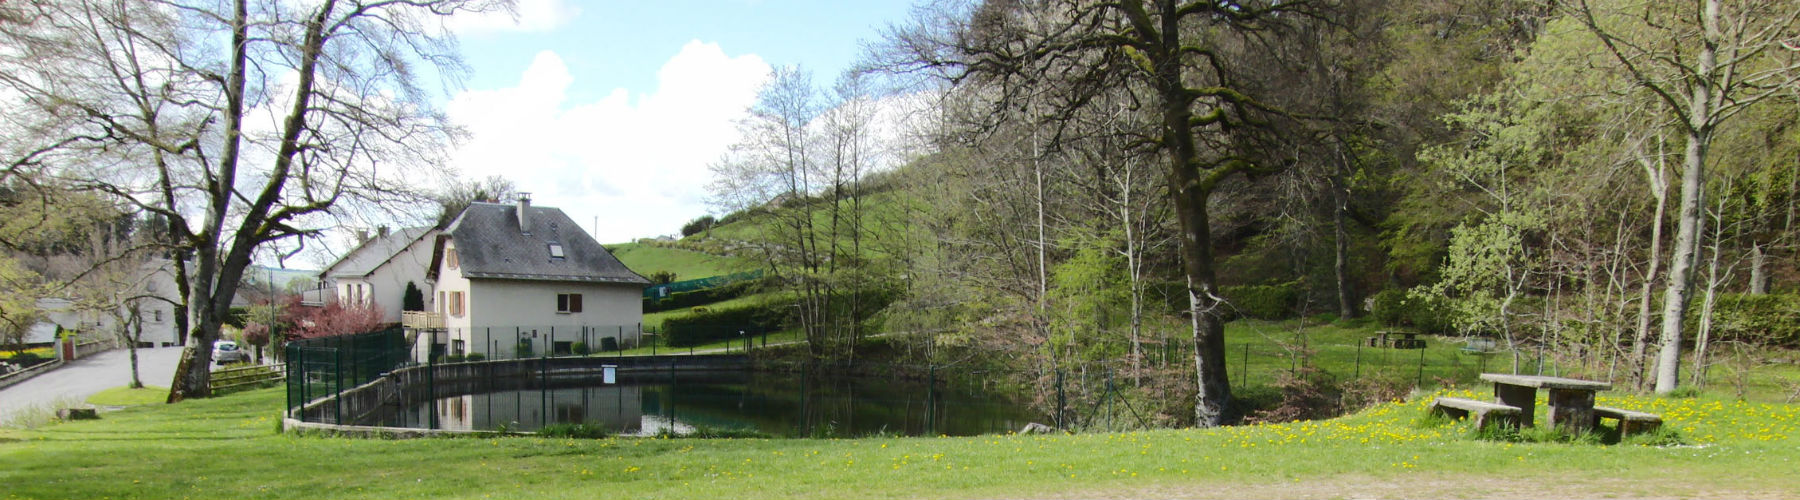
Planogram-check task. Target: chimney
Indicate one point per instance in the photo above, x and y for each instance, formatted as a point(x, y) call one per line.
point(524, 217)
point(362, 236)
point(382, 231)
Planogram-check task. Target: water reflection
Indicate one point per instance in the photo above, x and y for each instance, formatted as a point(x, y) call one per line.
point(781, 404)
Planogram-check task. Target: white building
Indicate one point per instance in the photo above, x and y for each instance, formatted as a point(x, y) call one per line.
point(515, 280)
point(377, 271)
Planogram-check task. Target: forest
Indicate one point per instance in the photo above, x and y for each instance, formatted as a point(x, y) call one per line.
point(1090, 186)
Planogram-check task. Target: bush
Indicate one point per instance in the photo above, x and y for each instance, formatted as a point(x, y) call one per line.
point(454, 358)
point(681, 300)
point(523, 350)
point(695, 226)
point(1767, 320)
point(722, 324)
point(609, 344)
point(1261, 301)
point(1399, 309)
point(579, 348)
point(27, 359)
point(475, 356)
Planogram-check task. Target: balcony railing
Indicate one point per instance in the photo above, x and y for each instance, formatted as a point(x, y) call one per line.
point(422, 320)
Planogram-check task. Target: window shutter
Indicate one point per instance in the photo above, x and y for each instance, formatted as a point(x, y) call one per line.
point(575, 302)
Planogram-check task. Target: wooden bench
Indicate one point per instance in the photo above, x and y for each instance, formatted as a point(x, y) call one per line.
point(1630, 422)
point(1485, 413)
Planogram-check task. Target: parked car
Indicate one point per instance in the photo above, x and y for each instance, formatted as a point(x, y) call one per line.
point(226, 351)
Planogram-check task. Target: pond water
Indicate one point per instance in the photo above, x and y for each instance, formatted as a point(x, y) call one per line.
point(778, 404)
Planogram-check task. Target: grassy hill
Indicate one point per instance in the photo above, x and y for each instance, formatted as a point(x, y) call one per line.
point(647, 259)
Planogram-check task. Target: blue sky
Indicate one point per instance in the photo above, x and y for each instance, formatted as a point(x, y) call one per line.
point(612, 110)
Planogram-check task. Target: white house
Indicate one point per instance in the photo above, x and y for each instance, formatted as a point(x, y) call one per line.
point(377, 271)
point(515, 280)
point(151, 288)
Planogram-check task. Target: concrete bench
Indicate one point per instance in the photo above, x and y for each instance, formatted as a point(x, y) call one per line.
point(1485, 413)
point(1630, 422)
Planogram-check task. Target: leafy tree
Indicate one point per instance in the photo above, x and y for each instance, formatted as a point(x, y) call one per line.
point(698, 225)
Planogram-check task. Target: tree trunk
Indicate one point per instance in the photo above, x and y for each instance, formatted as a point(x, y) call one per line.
point(1681, 264)
point(1693, 176)
point(1759, 272)
point(1341, 266)
point(1658, 177)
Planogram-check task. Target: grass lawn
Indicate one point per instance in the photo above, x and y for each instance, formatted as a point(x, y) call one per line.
point(686, 264)
point(228, 448)
point(126, 396)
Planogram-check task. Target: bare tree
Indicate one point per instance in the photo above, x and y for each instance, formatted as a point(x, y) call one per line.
point(1187, 60)
point(1705, 62)
point(139, 103)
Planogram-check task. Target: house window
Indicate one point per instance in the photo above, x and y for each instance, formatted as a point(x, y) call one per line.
point(156, 315)
point(456, 304)
point(456, 347)
point(568, 302)
point(556, 251)
point(440, 303)
point(450, 258)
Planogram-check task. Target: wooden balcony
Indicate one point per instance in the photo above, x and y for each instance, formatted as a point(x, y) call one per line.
point(422, 320)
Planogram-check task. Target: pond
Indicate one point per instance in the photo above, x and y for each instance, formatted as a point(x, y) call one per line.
point(777, 404)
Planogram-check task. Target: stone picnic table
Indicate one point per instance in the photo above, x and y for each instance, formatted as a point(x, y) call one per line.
point(1571, 400)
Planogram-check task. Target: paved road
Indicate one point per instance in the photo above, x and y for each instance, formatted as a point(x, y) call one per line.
point(74, 382)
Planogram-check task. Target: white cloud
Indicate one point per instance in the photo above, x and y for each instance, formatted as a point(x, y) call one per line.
point(527, 16)
point(637, 161)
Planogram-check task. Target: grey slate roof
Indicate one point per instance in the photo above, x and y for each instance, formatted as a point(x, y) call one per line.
point(373, 253)
point(490, 245)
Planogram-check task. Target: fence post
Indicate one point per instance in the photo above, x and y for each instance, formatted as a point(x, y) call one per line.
point(1244, 373)
point(431, 389)
point(1358, 374)
point(337, 388)
point(1421, 381)
point(1061, 401)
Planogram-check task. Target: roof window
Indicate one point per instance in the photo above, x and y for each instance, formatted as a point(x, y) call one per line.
point(556, 251)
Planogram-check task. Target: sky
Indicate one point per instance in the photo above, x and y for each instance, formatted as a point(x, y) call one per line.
point(612, 110)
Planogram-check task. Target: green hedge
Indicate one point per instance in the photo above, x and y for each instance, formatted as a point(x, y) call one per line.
point(722, 324)
point(683, 300)
point(1261, 301)
point(1767, 320)
point(1398, 309)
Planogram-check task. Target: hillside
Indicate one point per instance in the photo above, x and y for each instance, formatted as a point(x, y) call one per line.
point(649, 258)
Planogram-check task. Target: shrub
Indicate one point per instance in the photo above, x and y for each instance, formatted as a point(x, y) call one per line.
point(609, 344)
point(1770, 319)
point(724, 323)
point(27, 358)
point(475, 356)
point(694, 298)
point(579, 348)
point(1388, 307)
point(1400, 309)
point(1261, 301)
point(453, 358)
point(523, 350)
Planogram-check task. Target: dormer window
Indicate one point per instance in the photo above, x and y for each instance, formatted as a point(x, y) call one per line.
point(556, 251)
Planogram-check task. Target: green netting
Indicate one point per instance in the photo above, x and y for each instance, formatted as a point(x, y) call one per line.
point(666, 289)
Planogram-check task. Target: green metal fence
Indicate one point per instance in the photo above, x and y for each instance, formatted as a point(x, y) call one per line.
point(329, 365)
point(666, 289)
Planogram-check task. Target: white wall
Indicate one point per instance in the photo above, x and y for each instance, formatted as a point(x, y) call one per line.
point(388, 282)
point(516, 303)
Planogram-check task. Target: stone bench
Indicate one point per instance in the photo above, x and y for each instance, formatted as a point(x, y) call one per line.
point(1485, 413)
point(1630, 422)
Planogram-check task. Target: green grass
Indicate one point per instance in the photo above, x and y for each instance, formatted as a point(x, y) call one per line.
point(686, 264)
point(126, 396)
point(231, 450)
